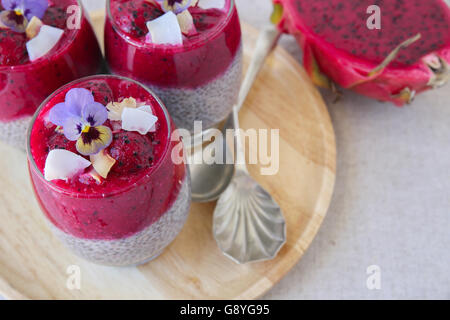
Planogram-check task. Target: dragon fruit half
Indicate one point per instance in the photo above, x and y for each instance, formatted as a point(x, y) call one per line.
point(407, 53)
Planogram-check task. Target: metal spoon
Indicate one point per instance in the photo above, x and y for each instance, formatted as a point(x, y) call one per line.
point(209, 181)
point(248, 224)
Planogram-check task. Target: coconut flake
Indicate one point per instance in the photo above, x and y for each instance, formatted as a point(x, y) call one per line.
point(148, 109)
point(138, 120)
point(89, 177)
point(165, 30)
point(33, 27)
point(46, 39)
point(211, 4)
point(62, 165)
point(187, 23)
point(102, 163)
point(116, 108)
point(94, 175)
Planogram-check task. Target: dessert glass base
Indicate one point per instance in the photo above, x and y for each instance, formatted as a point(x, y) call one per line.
point(139, 248)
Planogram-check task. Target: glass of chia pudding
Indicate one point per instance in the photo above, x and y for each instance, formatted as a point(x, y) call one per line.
point(40, 50)
point(189, 52)
point(101, 162)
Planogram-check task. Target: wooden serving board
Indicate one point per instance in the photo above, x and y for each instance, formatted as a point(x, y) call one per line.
point(33, 264)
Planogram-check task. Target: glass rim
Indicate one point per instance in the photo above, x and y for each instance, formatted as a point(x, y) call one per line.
point(32, 162)
point(217, 30)
point(32, 63)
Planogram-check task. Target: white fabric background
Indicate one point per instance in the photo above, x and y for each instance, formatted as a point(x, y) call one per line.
point(391, 205)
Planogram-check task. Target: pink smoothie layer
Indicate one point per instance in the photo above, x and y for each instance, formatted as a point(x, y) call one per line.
point(201, 58)
point(329, 19)
point(24, 84)
point(140, 188)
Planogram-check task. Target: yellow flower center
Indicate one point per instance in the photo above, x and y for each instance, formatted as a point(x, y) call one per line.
point(18, 12)
point(86, 129)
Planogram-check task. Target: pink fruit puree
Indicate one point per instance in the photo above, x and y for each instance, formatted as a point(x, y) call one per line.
point(141, 186)
point(24, 84)
point(201, 58)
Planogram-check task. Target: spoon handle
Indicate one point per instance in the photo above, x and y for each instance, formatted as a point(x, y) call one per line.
point(267, 40)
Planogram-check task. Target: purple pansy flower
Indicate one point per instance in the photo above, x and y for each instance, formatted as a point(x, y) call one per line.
point(177, 6)
point(82, 120)
point(18, 13)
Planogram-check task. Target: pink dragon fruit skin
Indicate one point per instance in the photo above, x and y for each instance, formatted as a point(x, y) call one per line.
point(335, 53)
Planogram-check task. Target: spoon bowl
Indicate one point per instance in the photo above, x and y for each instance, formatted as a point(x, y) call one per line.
point(248, 224)
point(209, 181)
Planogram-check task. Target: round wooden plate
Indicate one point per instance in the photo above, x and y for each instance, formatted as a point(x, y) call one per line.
point(33, 264)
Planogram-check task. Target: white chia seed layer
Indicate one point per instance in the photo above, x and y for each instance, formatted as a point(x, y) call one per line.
point(210, 103)
point(14, 132)
point(140, 247)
